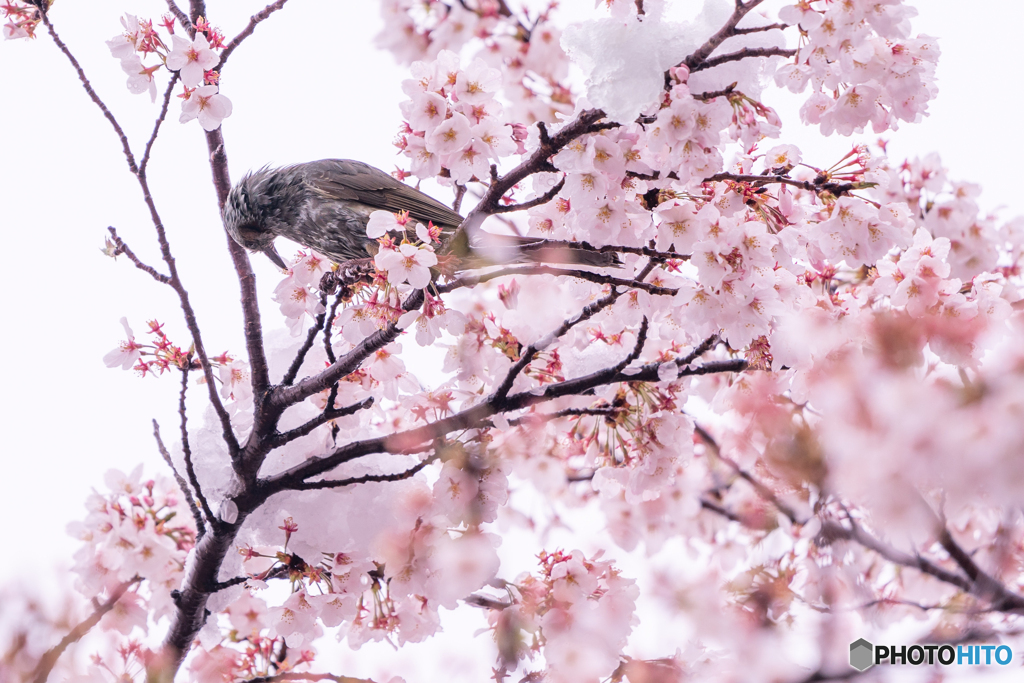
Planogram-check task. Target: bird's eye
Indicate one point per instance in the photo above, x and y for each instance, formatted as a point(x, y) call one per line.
point(249, 233)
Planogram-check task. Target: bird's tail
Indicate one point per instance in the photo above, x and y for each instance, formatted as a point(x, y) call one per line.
point(495, 249)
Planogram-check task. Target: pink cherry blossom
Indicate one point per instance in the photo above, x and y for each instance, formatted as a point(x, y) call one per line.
point(408, 263)
point(191, 59)
point(206, 104)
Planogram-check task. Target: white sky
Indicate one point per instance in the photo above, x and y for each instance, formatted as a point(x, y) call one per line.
point(308, 84)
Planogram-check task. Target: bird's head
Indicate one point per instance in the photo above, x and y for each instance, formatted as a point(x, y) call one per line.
point(245, 217)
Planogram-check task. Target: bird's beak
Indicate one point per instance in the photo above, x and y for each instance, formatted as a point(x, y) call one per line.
point(272, 254)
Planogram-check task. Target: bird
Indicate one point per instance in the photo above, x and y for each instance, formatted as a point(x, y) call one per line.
point(325, 205)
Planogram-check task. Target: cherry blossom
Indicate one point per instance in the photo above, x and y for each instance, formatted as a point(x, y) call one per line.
point(191, 59)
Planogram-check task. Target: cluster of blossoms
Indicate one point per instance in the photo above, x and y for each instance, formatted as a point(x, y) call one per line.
point(135, 542)
point(21, 20)
point(429, 553)
point(453, 121)
point(194, 61)
point(156, 358)
point(578, 612)
point(861, 64)
point(526, 51)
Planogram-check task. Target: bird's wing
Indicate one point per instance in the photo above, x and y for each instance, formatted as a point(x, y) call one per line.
point(347, 180)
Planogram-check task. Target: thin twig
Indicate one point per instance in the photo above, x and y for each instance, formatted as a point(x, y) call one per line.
point(366, 478)
point(745, 53)
point(197, 517)
point(837, 189)
point(832, 531)
point(325, 416)
point(159, 120)
point(728, 30)
point(49, 659)
point(761, 489)
point(186, 449)
point(598, 278)
point(125, 147)
point(300, 356)
point(543, 199)
point(758, 29)
point(122, 248)
point(528, 354)
point(247, 31)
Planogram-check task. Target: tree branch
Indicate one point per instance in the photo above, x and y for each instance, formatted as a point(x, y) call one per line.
point(533, 349)
point(366, 478)
point(293, 369)
point(123, 248)
point(282, 397)
point(745, 53)
point(819, 184)
point(727, 31)
point(325, 416)
point(186, 451)
point(543, 199)
point(254, 20)
point(159, 121)
point(478, 415)
point(197, 517)
point(48, 660)
point(832, 531)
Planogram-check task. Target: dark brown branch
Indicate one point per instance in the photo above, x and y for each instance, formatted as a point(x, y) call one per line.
point(758, 486)
point(49, 659)
point(608, 248)
point(820, 676)
point(328, 327)
point(197, 517)
point(832, 531)
point(186, 451)
point(490, 203)
point(487, 602)
point(728, 30)
point(473, 417)
point(745, 53)
point(282, 397)
point(758, 29)
point(699, 350)
point(322, 418)
point(159, 121)
point(366, 478)
point(599, 278)
point(300, 676)
point(984, 585)
point(537, 201)
point(724, 92)
point(837, 189)
point(528, 354)
point(460, 192)
point(719, 510)
point(254, 20)
point(300, 357)
point(123, 248)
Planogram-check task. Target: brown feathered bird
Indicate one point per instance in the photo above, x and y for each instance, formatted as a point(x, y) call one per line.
point(325, 205)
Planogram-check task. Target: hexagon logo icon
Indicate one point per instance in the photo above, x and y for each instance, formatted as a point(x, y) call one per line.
point(861, 654)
